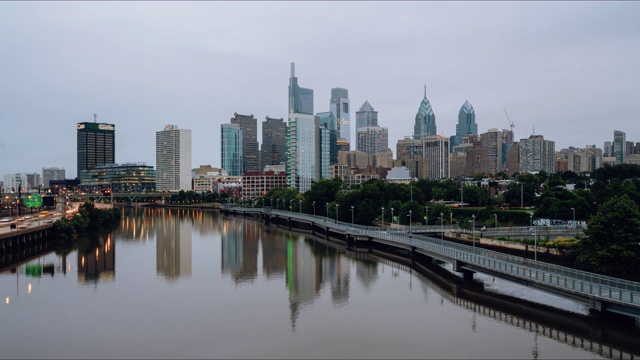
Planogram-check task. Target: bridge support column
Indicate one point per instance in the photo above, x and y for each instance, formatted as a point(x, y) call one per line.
point(467, 275)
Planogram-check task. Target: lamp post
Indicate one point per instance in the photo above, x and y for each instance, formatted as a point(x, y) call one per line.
point(473, 217)
point(535, 239)
point(326, 205)
point(291, 205)
point(314, 208)
point(574, 217)
point(441, 227)
point(300, 206)
point(352, 215)
point(382, 216)
point(391, 217)
point(410, 212)
point(271, 200)
point(496, 217)
point(531, 218)
point(262, 202)
point(426, 215)
point(337, 207)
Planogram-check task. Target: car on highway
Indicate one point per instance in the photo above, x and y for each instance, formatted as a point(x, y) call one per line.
point(5, 220)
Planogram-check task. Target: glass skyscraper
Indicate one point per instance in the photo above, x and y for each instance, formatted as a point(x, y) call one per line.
point(619, 146)
point(340, 109)
point(300, 99)
point(274, 142)
point(328, 122)
point(96, 145)
point(301, 151)
point(425, 119)
point(366, 116)
point(231, 149)
point(250, 150)
point(466, 124)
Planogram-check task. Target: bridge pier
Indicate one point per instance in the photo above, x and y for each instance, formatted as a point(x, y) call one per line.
point(467, 275)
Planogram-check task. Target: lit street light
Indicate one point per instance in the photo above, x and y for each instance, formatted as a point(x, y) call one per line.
point(352, 215)
point(383, 216)
point(337, 206)
point(392, 216)
point(496, 216)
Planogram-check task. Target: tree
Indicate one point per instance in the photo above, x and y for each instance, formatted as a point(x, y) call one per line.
point(612, 243)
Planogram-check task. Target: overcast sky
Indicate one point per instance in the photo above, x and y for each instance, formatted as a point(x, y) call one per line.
point(568, 69)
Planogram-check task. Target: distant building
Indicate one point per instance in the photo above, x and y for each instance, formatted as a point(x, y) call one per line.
point(12, 182)
point(399, 175)
point(52, 173)
point(255, 186)
point(173, 159)
point(328, 122)
point(301, 151)
point(466, 124)
point(274, 141)
point(250, 150)
point(124, 178)
point(537, 154)
point(96, 145)
point(300, 99)
point(436, 151)
point(372, 139)
point(492, 143)
point(619, 146)
point(562, 162)
point(366, 116)
point(633, 159)
point(425, 124)
point(34, 181)
point(513, 159)
point(583, 160)
point(231, 154)
point(340, 109)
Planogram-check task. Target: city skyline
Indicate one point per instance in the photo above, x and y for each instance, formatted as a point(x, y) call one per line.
point(545, 63)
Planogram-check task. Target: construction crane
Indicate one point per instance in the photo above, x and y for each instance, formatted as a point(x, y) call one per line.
point(509, 120)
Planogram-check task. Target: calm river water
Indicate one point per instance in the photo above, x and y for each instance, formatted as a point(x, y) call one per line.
point(193, 284)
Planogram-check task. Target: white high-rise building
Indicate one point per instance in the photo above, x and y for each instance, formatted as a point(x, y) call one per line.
point(173, 159)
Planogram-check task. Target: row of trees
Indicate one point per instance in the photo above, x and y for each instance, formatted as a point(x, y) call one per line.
point(88, 219)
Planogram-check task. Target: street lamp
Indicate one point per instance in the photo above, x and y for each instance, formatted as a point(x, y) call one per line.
point(383, 216)
point(271, 200)
point(474, 232)
point(426, 215)
point(326, 205)
point(410, 212)
point(574, 217)
point(535, 239)
point(531, 218)
point(352, 215)
point(291, 205)
point(441, 227)
point(496, 217)
point(337, 207)
point(391, 217)
point(314, 208)
point(300, 206)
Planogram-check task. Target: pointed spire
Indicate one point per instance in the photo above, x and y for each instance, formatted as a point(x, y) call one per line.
point(293, 69)
point(425, 90)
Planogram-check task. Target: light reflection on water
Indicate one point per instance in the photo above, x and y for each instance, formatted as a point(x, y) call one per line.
point(224, 287)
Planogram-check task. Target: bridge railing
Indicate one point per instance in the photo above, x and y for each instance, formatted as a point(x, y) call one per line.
point(568, 279)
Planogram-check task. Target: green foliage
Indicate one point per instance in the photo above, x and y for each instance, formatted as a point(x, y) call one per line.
point(612, 243)
point(87, 219)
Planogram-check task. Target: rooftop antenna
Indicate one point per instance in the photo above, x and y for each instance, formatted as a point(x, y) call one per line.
point(95, 118)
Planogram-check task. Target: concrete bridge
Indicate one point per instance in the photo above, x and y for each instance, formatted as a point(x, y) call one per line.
point(604, 295)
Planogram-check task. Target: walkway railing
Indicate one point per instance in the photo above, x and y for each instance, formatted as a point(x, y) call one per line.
point(577, 282)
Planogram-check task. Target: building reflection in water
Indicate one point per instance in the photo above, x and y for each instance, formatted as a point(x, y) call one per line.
point(97, 260)
point(240, 247)
point(173, 246)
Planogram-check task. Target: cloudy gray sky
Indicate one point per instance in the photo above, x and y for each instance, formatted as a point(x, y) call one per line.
point(568, 69)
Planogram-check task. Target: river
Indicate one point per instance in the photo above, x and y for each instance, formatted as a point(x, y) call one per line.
point(198, 284)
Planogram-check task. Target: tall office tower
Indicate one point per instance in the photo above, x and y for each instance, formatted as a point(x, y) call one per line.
point(537, 154)
point(513, 159)
point(301, 151)
point(507, 142)
point(619, 146)
point(466, 124)
point(630, 149)
point(328, 121)
point(608, 149)
point(231, 154)
point(425, 119)
point(173, 248)
point(340, 110)
point(274, 142)
point(173, 159)
point(436, 151)
point(492, 142)
point(250, 152)
point(300, 99)
point(96, 145)
point(366, 116)
point(408, 149)
point(587, 159)
point(33, 181)
point(52, 173)
point(372, 140)
point(323, 150)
